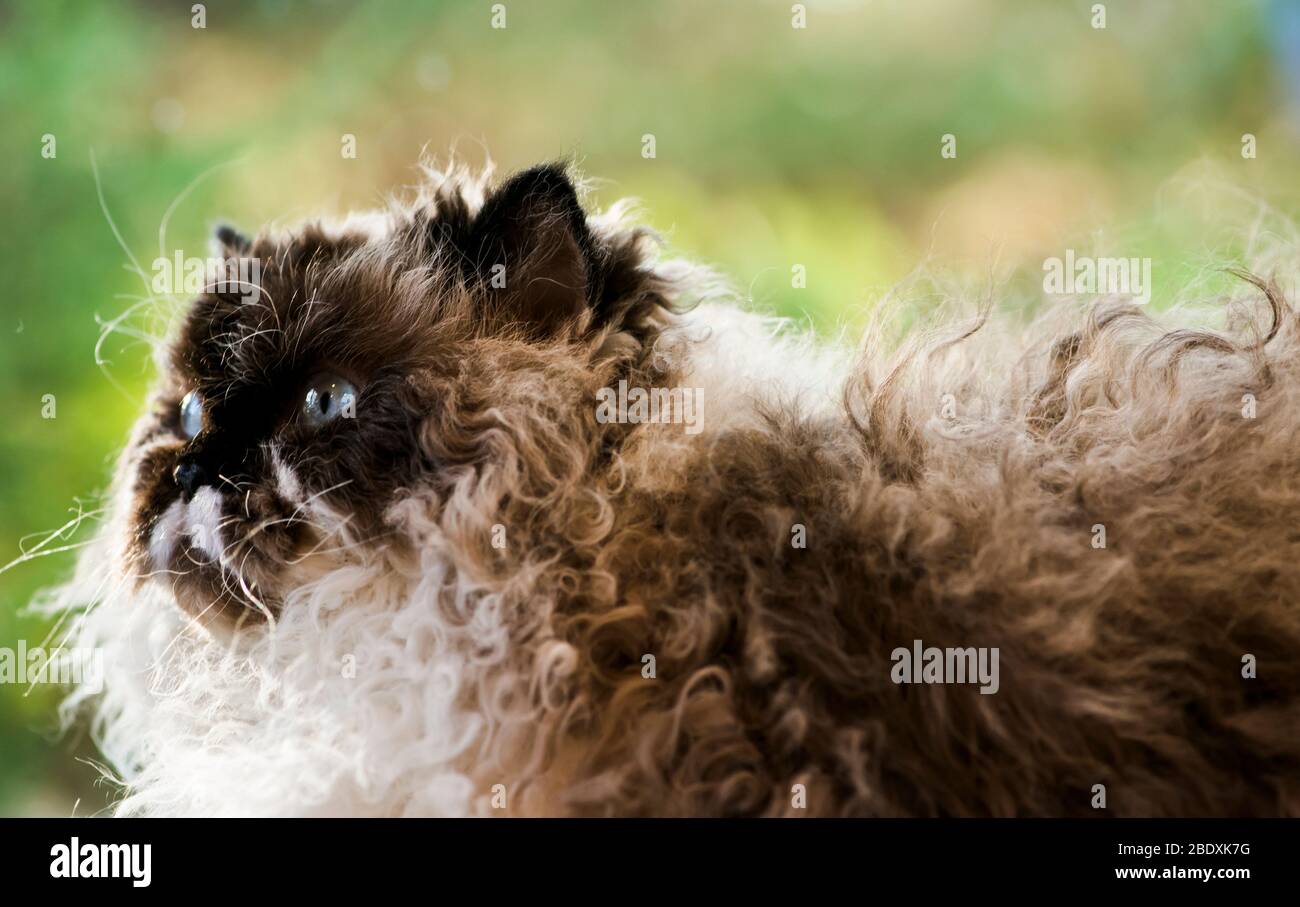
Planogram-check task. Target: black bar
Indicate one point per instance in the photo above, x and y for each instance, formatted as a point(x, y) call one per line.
point(436, 858)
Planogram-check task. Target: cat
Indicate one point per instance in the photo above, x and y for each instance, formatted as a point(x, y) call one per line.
point(372, 552)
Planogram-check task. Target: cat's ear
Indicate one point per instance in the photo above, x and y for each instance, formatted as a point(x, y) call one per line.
point(532, 250)
point(228, 242)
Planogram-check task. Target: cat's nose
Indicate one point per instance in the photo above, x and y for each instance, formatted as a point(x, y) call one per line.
point(189, 475)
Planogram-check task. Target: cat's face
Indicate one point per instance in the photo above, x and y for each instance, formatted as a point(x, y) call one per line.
point(269, 408)
point(347, 380)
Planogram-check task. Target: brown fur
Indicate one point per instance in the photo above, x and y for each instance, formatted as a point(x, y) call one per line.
point(1119, 666)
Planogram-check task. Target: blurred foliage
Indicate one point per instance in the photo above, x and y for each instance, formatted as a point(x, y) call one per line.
point(774, 146)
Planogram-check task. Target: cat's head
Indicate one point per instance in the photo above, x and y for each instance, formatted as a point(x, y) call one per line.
point(403, 353)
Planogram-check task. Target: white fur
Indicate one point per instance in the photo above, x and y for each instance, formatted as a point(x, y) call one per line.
point(203, 520)
point(730, 354)
point(167, 534)
point(275, 721)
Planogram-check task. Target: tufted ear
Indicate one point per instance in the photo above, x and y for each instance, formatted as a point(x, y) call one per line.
point(533, 251)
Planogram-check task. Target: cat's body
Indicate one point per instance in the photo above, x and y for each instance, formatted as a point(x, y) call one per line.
point(479, 597)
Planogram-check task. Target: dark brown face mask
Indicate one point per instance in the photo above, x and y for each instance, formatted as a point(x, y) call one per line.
point(318, 383)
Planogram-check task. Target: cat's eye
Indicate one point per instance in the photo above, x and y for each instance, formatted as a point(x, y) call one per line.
point(192, 414)
point(328, 397)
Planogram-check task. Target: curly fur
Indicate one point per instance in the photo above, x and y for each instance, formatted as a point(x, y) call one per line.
point(411, 667)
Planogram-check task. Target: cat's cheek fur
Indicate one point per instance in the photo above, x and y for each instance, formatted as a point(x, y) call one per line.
point(287, 483)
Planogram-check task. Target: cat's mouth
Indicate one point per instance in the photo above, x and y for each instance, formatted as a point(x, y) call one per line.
point(209, 558)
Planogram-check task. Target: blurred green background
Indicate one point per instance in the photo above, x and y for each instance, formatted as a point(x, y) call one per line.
point(774, 146)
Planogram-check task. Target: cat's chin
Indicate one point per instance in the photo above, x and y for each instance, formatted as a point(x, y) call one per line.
point(210, 593)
